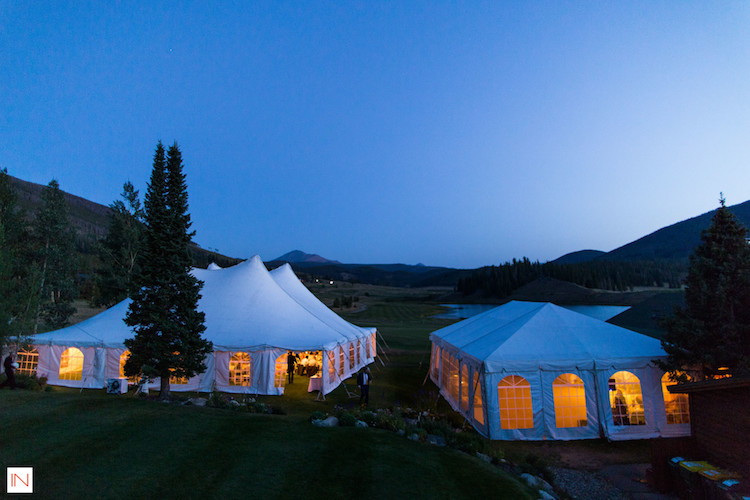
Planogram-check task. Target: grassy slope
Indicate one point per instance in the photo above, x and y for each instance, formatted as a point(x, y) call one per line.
point(112, 447)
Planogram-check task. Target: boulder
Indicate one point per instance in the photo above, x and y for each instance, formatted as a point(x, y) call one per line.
point(537, 482)
point(436, 440)
point(543, 495)
point(328, 422)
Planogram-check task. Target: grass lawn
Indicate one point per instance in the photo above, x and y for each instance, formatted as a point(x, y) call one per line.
point(123, 447)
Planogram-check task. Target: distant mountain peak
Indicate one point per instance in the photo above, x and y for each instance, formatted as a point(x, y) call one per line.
point(579, 257)
point(300, 256)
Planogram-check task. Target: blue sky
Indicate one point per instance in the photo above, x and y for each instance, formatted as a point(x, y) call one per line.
point(456, 134)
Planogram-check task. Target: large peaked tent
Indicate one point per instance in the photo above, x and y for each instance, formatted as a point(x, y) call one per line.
point(530, 370)
point(249, 311)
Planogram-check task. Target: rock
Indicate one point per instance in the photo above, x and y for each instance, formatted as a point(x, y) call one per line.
point(401, 432)
point(360, 423)
point(413, 436)
point(484, 457)
point(536, 482)
point(328, 422)
point(436, 440)
point(234, 402)
point(198, 401)
point(543, 495)
point(411, 421)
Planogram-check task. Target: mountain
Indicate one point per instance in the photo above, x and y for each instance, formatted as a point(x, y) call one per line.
point(675, 242)
point(296, 256)
point(579, 256)
point(86, 216)
point(401, 275)
point(91, 221)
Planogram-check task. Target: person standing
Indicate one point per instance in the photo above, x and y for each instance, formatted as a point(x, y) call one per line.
point(291, 361)
point(9, 367)
point(363, 381)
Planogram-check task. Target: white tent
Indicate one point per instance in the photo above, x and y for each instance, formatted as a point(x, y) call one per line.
point(530, 370)
point(253, 318)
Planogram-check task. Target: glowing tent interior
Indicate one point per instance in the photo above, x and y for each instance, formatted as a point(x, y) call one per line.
point(253, 318)
point(532, 371)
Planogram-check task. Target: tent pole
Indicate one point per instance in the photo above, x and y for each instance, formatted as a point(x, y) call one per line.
point(378, 334)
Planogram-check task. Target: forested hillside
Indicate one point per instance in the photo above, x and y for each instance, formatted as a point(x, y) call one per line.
point(501, 281)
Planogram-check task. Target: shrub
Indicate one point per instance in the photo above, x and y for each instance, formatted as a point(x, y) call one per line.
point(537, 466)
point(367, 417)
point(438, 427)
point(317, 415)
point(467, 442)
point(497, 456)
point(390, 421)
point(30, 382)
point(346, 419)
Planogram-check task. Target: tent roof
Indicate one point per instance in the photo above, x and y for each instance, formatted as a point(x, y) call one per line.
point(245, 310)
point(288, 281)
point(534, 335)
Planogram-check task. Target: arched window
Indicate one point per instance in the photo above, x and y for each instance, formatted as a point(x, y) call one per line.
point(123, 358)
point(676, 405)
point(626, 399)
point(351, 355)
point(28, 361)
point(449, 375)
point(374, 341)
point(570, 401)
point(280, 371)
point(359, 352)
point(341, 361)
point(240, 369)
point(71, 364)
point(435, 361)
point(478, 405)
point(464, 387)
point(367, 348)
point(514, 397)
point(331, 366)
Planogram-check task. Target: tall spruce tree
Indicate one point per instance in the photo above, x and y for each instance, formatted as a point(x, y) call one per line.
point(119, 250)
point(164, 314)
point(54, 253)
point(18, 296)
point(712, 331)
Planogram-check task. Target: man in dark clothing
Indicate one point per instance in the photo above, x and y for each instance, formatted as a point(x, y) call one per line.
point(9, 369)
point(363, 381)
point(291, 361)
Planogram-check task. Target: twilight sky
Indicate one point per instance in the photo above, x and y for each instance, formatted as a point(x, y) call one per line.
point(458, 134)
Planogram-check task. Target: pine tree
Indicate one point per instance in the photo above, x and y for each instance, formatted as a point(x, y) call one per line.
point(119, 250)
point(55, 255)
point(713, 330)
point(164, 313)
point(17, 292)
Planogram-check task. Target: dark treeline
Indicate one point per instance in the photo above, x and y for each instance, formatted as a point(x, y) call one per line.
point(501, 281)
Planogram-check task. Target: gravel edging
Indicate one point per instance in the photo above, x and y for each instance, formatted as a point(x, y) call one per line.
point(582, 485)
